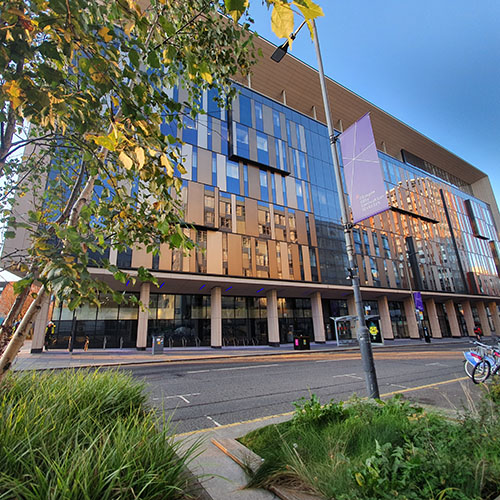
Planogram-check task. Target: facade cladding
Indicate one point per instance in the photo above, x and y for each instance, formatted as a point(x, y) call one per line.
point(260, 195)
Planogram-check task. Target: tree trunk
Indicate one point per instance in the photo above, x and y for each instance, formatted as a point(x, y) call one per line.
point(17, 340)
point(14, 312)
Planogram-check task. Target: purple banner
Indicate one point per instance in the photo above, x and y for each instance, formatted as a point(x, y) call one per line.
point(419, 303)
point(362, 170)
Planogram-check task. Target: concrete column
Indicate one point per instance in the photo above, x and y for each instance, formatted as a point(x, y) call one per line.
point(40, 325)
point(411, 319)
point(273, 327)
point(216, 317)
point(142, 323)
point(451, 313)
point(492, 306)
point(483, 318)
point(433, 319)
point(317, 317)
point(385, 318)
point(469, 318)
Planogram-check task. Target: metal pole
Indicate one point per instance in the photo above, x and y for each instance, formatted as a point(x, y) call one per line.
point(363, 334)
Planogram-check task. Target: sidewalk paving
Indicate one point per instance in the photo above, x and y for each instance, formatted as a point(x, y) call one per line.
point(60, 358)
point(221, 477)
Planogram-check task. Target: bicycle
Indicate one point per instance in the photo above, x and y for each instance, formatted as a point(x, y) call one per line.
point(475, 356)
point(488, 366)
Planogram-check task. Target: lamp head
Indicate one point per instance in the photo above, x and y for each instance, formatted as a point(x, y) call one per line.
point(280, 52)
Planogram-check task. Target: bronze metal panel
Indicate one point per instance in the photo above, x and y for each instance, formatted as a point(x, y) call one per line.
point(165, 258)
point(284, 260)
point(300, 221)
point(204, 166)
point(312, 230)
point(273, 261)
point(306, 259)
point(235, 256)
point(214, 252)
point(295, 262)
point(251, 219)
point(254, 182)
point(141, 258)
point(196, 203)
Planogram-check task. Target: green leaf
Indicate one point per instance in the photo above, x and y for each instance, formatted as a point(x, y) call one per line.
point(134, 58)
point(236, 8)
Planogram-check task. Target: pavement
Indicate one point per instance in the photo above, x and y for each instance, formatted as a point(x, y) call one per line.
point(221, 477)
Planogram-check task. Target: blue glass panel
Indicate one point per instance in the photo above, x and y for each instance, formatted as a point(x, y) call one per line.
point(302, 164)
point(285, 198)
point(214, 169)
point(242, 147)
point(213, 107)
point(259, 117)
point(283, 150)
point(300, 195)
point(277, 124)
point(308, 201)
point(223, 138)
point(273, 187)
point(262, 148)
point(245, 178)
point(233, 177)
point(277, 148)
point(295, 165)
point(288, 133)
point(264, 191)
point(246, 111)
point(189, 132)
point(194, 171)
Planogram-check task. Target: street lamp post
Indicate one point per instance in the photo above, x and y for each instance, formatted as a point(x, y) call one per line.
point(363, 334)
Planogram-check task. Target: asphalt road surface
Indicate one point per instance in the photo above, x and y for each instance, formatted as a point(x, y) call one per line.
point(198, 395)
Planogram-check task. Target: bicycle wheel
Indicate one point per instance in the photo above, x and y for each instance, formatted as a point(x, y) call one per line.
point(481, 372)
point(468, 367)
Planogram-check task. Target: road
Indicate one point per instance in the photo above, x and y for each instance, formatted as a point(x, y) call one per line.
point(204, 394)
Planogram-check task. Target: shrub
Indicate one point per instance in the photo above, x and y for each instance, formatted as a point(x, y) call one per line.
point(85, 435)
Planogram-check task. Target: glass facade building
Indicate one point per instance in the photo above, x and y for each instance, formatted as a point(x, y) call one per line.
point(259, 188)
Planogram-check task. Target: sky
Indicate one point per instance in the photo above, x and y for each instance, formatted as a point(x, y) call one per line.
point(433, 64)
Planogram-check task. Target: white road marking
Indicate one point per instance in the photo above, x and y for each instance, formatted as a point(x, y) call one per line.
point(436, 364)
point(354, 376)
point(216, 423)
point(397, 385)
point(231, 369)
point(181, 396)
point(344, 375)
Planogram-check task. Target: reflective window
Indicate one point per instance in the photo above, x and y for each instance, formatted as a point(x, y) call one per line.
point(242, 144)
point(233, 177)
point(245, 111)
point(259, 117)
point(264, 192)
point(262, 148)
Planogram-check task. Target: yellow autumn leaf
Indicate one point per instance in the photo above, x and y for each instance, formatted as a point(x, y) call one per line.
point(14, 92)
point(282, 20)
point(310, 10)
point(129, 27)
point(167, 164)
point(126, 160)
point(116, 102)
point(104, 34)
point(139, 153)
point(8, 36)
point(206, 76)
